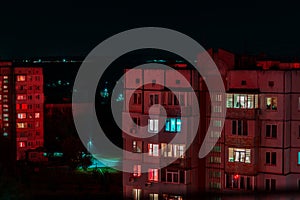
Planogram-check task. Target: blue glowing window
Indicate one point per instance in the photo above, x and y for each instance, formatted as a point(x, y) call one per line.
point(173, 125)
point(298, 158)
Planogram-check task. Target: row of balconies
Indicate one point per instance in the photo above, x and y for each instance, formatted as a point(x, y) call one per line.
point(170, 110)
point(180, 163)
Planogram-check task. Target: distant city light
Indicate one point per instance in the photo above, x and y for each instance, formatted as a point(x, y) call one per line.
point(104, 93)
point(120, 98)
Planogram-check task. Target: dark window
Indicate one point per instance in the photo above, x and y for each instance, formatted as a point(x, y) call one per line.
point(268, 158)
point(177, 82)
point(153, 99)
point(137, 80)
point(271, 158)
point(270, 184)
point(234, 127)
point(239, 127)
point(243, 82)
point(271, 131)
point(137, 98)
point(271, 83)
point(273, 161)
point(267, 184)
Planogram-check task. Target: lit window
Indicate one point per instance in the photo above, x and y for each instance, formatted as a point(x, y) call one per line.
point(173, 125)
point(136, 194)
point(271, 131)
point(21, 78)
point(153, 149)
point(239, 155)
point(137, 169)
point(218, 97)
point(36, 115)
point(173, 150)
point(216, 149)
point(217, 123)
point(298, 158)
point(215, 159)
point(24, 106)
point(271, 158)
point(5, 77)
point(217, 109)
point(271, 103)
point(153, 175)
point(5, 86)
point(37, 124)
point(153, 125)
point(21, 115)
point(22, 125)
point(242, 101)
point(166, 150)
point(178, 150)
point(173, 197)
point(22, 144)
point(137, 146)
point(215, 134)
point(153, 196)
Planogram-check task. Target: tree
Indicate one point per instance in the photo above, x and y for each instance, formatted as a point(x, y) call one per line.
point(75, 154)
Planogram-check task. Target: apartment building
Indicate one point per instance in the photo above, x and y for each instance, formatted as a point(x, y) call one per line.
point(185, 175)
point(21, 107)
point(257, 150)
point(259, 146)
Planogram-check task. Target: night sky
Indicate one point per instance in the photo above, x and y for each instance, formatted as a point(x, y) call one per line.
point(41, 29)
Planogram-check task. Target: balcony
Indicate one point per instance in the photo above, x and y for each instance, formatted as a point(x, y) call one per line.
point(180, 163)
point(242, 113)
point(178, 110)
point(242, 141)
point(241, 168)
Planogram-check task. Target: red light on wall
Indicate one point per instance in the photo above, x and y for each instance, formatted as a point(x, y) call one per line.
point(236, 176)
point(296, 65)
point(180, 65)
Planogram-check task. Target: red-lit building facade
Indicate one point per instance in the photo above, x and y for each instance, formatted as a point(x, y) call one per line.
point(183, 176)
point(259, 146)
point(21, 107)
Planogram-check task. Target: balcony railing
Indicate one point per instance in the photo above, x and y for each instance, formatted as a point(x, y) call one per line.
point(242, 113)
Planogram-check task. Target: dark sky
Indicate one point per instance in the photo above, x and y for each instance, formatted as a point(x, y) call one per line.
point(33, 29)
